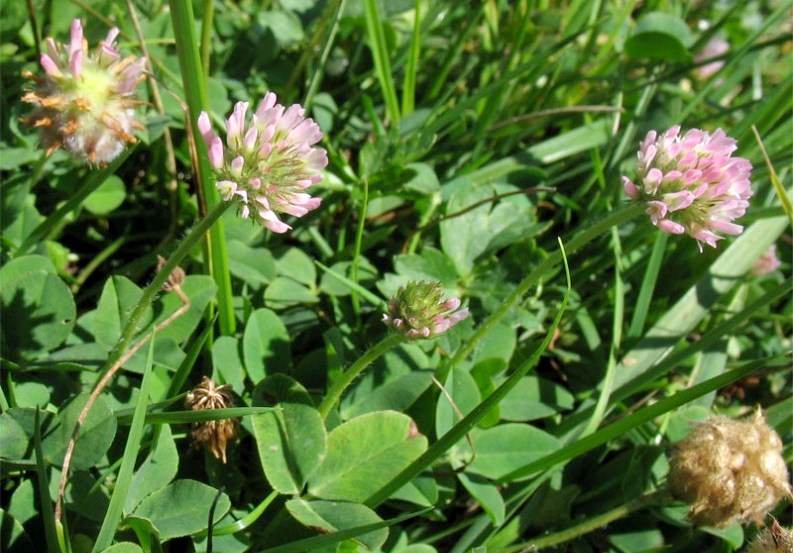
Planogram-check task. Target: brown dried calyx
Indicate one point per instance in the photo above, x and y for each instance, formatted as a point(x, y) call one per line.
point(729, 470)
point(218, 433)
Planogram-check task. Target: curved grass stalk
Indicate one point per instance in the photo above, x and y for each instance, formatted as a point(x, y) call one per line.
point(579, 240)
point(120, 355)
point(589, 525)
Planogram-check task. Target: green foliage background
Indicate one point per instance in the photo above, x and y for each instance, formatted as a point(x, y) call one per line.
point(464, 137)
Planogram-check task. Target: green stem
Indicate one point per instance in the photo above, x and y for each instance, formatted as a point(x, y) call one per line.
point(245, 522)
point(648, 286)
point(195, 234)
point(94, 181)
point(341, 384)
point(319, 72)
point(206, 35)
point(579, 240)
point(197, 101)
point(589, 525)
point(356, 307)
point(458, 431)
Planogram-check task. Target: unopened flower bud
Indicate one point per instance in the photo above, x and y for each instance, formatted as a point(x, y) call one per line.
point(216, 434)
point(84, 101)
point(419, 310)
point(729, 470)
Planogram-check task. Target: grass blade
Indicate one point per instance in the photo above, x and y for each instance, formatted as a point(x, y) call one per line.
point(780, 190)
point(47, 515)
point(316, 542)
point(128, 460)
point(690, 309)
point(382, 63)
point(619, 428)
point(197, 101)
point(409, 85)
point(648, 286)
point(186, 417)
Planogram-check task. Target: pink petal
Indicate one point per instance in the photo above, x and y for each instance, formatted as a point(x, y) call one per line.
point(50, 67)
point(76, 43)
point(205, 128)
point(679, 200)
point(726, 227)
point(216, 152)
point(76, 63)
point(671, 227)
point(630, 188)
point(267, 103)
point(656, 210)
point(236, 165)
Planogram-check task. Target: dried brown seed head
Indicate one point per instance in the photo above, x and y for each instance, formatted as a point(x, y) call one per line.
point(729, 470)
point(218, 433)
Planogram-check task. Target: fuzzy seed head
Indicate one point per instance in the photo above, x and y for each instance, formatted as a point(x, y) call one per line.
point(419, 311)
point(775, 539)
point(84, 102)
point(218, 433)
point(729, 470)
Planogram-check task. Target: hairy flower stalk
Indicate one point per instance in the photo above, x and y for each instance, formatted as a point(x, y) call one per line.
point(729, 470)
point(692, 184)
point(419, 310)
point(84, 101)
point(267, 164)
point(216, 434)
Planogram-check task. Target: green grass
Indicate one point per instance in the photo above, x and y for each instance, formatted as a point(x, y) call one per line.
point(467, 141)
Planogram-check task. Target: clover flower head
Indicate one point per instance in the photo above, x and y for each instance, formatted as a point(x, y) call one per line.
point(216, 434)
point(419, 311)
point(267, 163)
point(766, 263)
point(692, 184)
point(728, 470)
point(84, 102)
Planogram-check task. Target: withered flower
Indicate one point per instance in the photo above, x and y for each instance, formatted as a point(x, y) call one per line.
point(216, 434)
point(729, 470)
point(84, 101)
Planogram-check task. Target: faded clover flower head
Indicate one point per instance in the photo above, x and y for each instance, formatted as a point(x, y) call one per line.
point(84, 101)
point(216, 434)
point(267, 164)
point(419, 311)
point(715, 47)
point(692, 184)
point(728, 469)
point(766, 263)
